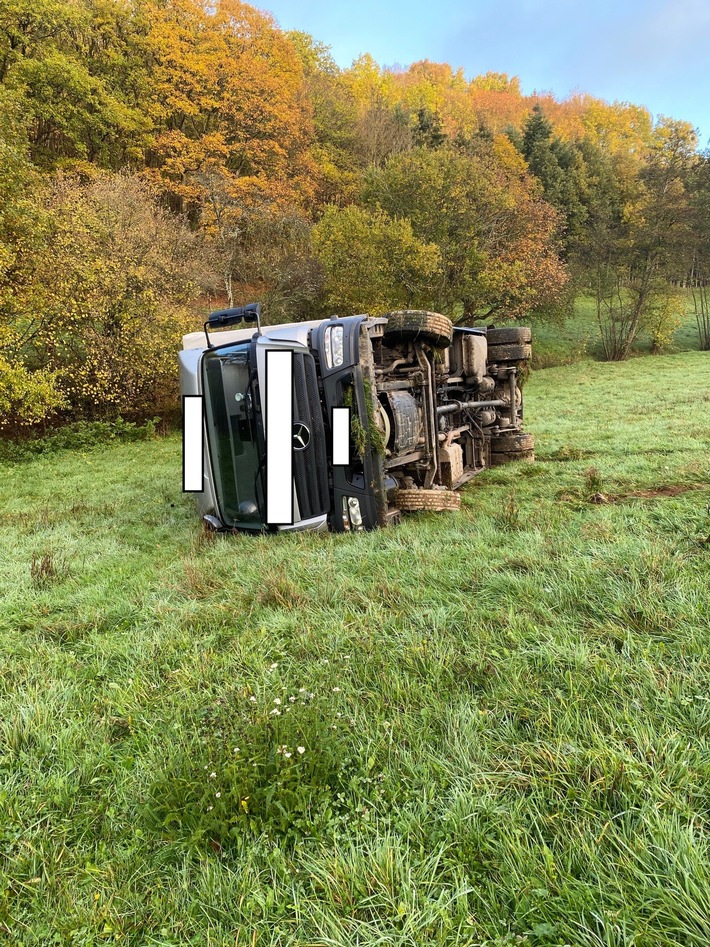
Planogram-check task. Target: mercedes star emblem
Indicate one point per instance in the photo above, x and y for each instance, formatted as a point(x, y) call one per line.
point(301, 436)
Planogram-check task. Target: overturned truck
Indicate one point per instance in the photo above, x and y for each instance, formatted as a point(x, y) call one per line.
point(430, 406)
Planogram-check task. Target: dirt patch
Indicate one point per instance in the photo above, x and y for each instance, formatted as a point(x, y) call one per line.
point(667, 490)
point(670, 490)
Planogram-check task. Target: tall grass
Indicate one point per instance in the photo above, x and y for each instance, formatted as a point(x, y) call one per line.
point(489, 727)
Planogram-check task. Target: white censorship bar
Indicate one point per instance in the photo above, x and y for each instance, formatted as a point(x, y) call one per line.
point(279, 438)
point(192, 444)
point(341, 436)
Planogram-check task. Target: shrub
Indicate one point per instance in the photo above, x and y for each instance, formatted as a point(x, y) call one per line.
point(105, 302)
point(79, 435)
point(26, 398)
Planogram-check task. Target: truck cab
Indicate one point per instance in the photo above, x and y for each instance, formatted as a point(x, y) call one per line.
point(430, 406)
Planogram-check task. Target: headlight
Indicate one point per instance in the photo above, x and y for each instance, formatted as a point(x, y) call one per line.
point(354, 511)
point(333, 344)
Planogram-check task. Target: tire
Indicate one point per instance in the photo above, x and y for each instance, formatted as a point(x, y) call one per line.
point(509, 336)
point(510, 443)
point(410, 501)
point(508, 457)
point(415, 325)
point(510, 353)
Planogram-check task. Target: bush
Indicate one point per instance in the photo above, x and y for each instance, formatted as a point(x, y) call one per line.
point(373, 262)
point(104, 301)
point(80, 435)
point(26, 398)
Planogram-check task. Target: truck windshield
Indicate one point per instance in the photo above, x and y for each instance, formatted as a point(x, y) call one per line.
point(232, 435)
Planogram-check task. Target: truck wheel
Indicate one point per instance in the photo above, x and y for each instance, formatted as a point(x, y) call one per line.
point(415, 325)
point(411, 500)
point(515, 352)
point(510, 443)
point(507, 457)
point(509, 336)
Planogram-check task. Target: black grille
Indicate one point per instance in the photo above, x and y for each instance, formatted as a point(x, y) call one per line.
point(310, 466)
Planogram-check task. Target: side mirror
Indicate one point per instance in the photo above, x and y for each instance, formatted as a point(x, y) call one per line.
point(230, 317)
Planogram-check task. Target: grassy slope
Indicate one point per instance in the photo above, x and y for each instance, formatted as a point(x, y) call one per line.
point(506, 714)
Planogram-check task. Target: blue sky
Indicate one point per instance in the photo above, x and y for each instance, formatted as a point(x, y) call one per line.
point(652, 52)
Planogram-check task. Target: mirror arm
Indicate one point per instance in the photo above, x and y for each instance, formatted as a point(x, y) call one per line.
point(229, 317)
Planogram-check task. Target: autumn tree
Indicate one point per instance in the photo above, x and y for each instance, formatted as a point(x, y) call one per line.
point(108, 298)
point(495, 234)
point(29, 393)
point(227, 92)
point(260, 245)
point(373, 262)
point(638, 226)
point(335, 115)
point(698, 256)
point(80, 68)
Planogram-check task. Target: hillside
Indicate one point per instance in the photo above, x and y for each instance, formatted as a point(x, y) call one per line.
point(486, 727)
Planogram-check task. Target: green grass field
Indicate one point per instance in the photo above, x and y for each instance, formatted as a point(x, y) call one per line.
point(490, 727)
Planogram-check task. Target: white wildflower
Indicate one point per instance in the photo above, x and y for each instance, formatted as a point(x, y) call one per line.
point(277, 700)
point(217, 795)
point(275, 712)
point(301, 690)
point(212, 775)
point(301, 749)
point(252, 699)
point(274, 666)
point(287, 755)
point(336, 690)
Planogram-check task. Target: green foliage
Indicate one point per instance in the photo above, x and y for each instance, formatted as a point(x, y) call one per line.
point(364, 437)
point(560, 168)
point(79, 68)
point(27, 398)
point(375, 434)
point(495, 236)
point(357, 428)
point(105, 303)
point(373, 262)
point(77, 436)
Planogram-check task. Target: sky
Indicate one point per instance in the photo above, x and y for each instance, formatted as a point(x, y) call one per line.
point(654, 53)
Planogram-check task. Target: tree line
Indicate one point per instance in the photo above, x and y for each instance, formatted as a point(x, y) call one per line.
point(161, 156)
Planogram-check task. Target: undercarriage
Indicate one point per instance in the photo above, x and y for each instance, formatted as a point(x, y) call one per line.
point(447, 404)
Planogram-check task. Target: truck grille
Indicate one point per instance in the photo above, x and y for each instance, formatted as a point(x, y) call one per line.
point(310, 466)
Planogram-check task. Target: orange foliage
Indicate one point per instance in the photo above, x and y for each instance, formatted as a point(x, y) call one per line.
point(227, 92)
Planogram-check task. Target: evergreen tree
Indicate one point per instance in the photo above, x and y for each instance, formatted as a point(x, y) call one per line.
point(560, 168)
point(428, 131)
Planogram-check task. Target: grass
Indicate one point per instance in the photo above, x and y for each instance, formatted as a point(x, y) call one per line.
point(503, 714)
point(579, 337)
